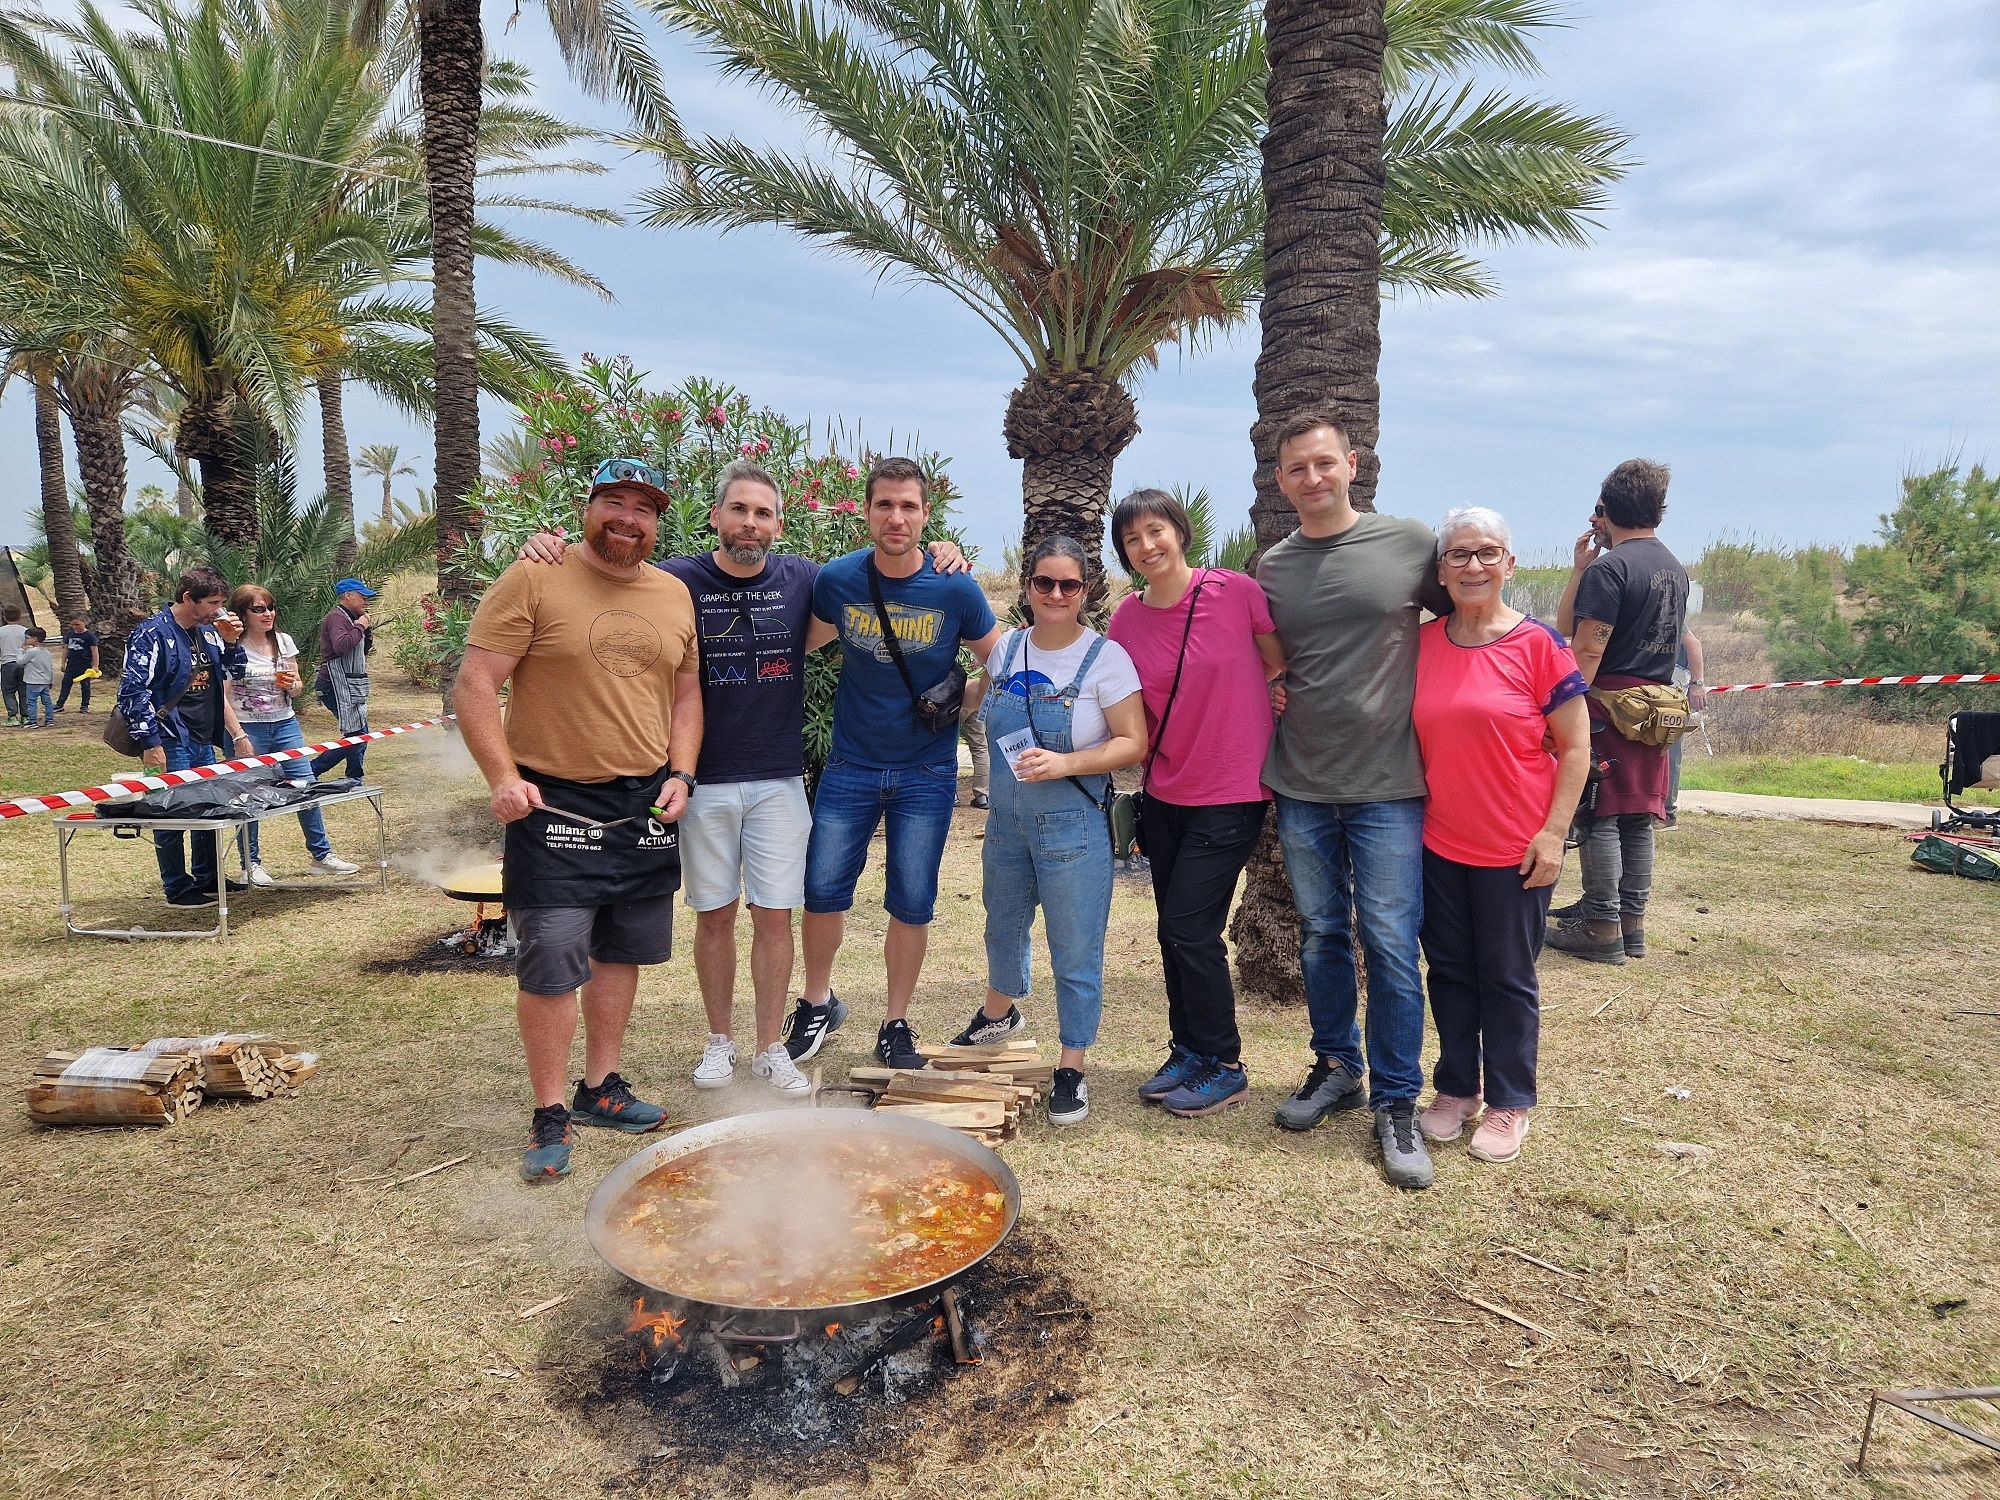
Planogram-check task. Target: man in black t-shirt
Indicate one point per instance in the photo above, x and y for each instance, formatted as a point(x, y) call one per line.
point(80, 644)
point(1624, 610)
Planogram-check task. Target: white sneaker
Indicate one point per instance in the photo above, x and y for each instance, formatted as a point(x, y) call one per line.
point(775, 1066)
point(333, 864)
point(718, 1063)
point(258, 876)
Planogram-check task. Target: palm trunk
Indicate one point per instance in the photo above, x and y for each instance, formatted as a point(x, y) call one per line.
point(1068, 428)
point(1321, 314)
point(207, 435)
point(95, 401)
point(388, 502)
point(451, 59)
point(65, 566)
point(336, 463)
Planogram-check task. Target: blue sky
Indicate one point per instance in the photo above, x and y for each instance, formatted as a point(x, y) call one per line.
point(1794, 299)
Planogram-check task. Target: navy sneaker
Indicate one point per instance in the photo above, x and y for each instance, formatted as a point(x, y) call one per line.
point(1180, 1066)
point(984, 1031)
point(190, 896)
point(1215, 1087)
point(1069, 1100)
point(549, 1141)
point(613, 1106)
point(812, 1025)
point(896, 1046)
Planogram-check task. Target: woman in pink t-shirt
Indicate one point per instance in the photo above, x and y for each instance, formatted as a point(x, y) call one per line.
point(1499, 715)
point(1207, 652)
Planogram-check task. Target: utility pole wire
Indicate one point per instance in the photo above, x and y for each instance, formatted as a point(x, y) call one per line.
point(189, 135)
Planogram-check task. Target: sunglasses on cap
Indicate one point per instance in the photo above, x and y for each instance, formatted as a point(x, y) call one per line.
point(1041, 583)
point(613, 470)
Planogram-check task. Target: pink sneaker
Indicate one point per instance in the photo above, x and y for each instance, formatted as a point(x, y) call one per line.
point(1499, 1136)
point(1447, 1115)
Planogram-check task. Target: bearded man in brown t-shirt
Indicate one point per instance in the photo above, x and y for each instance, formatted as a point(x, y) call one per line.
point(589, 772)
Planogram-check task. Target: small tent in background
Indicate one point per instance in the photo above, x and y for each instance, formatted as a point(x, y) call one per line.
point(12, 590)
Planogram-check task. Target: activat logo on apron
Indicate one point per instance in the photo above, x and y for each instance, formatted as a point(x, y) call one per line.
point(657, 836)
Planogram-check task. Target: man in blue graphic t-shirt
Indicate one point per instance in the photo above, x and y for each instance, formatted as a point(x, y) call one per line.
point(886, 763)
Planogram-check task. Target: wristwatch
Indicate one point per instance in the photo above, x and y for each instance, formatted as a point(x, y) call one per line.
point(683, 776)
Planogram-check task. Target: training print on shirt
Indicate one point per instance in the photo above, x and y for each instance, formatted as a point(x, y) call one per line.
point(625, 644)
point(918, 629)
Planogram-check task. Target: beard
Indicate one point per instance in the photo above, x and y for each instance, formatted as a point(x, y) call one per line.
point(617, 551)
point(746, 554)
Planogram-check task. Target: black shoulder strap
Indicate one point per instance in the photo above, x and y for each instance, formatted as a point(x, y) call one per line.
point(889, 635)
point(1174, 691)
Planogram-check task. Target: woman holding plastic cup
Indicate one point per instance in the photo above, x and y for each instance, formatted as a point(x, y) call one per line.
point(262, 698)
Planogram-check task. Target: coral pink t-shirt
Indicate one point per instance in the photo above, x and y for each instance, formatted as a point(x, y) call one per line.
point(1220, 730)
point(1480, 714)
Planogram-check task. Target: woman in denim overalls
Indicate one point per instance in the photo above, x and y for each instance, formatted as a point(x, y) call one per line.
point(1047, 840)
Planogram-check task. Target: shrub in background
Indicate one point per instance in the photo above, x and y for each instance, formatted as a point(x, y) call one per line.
point(691, 433)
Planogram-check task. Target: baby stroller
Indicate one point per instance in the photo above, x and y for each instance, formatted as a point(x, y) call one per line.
point(1969, 741)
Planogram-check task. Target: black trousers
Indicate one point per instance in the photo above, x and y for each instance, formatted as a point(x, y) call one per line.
point(1482, 934)
point(69, 681)
point(1197, 855)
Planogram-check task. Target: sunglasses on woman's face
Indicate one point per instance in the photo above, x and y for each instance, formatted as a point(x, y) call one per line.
point(1069, 588)
point(263, 609)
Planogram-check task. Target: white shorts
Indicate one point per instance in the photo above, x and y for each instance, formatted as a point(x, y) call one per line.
point(748, 839)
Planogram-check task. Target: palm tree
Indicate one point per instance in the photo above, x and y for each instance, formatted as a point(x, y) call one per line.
point(1085, 175)
point(58, 525)
point(605, 51)
point(384, 461)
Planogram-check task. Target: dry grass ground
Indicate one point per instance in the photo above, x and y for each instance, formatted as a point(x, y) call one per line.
point(249, 1305)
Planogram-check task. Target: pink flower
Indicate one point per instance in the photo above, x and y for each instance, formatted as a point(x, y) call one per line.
point(745, 451)
point(674, 414)
point(570, 441)
point(717, 416)
point(852, 472)
point(847, 507)
point(812, 505)
point(763, 445)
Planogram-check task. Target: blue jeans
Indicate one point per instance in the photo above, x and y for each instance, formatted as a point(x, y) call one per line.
point(326, 760)
point(168, 849)
point(285, 734)
point(851, 802)
point(37, 693)
point(1367, 855)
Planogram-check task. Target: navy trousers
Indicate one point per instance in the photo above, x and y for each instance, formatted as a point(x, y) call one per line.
point(1482, 934)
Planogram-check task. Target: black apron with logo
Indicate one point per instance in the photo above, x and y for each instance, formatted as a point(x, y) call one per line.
point(551, 861)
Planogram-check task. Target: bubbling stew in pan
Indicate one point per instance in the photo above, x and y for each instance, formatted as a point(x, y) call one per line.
point(803, 1221)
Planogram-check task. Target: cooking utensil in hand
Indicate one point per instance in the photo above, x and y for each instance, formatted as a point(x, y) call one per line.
point(600, 823)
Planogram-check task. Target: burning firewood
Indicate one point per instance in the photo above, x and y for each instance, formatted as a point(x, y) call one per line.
point(114, 1086)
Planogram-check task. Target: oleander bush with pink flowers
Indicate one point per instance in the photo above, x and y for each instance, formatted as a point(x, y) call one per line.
point(690, 432)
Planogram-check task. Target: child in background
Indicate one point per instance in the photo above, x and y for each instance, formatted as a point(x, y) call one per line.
point(38, 676)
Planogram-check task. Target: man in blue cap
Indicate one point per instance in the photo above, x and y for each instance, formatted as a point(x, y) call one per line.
point(346, 636)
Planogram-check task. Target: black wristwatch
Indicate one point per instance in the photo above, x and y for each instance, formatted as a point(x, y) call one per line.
point(686, 776)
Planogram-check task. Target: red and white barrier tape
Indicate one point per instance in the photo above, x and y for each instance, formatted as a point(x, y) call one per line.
point(132, 786)
point(1927, 681)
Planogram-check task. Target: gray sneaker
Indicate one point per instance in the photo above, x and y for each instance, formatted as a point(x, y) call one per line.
point(1405, 1162)
point(1328, 1089)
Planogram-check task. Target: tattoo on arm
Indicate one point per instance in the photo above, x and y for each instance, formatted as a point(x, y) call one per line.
point(1599, 633)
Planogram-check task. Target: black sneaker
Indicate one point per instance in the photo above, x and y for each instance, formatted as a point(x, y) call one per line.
point(613, 1106)
point(812, 1024)
point(1328, 1089)
point(549, 1142)
point(983, 1031)
point(1571, 913)
point(980, 799)
point(896, 1046)
point(191, 897)
point(1069, 1100)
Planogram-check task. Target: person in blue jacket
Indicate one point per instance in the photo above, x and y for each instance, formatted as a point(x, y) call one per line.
point(172, 700)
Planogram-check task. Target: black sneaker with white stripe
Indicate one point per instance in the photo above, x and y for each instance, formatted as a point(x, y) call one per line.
point(1069, 1099)
point(812, 1024)
point(896, 1046)
point(984, 1030)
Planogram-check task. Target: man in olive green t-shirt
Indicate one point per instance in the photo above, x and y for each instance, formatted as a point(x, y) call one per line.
point(1347, 591)
point(589, 772)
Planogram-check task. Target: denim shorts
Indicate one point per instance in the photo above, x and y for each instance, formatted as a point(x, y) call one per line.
point(559, 942)
point(852, 801)
point(748, 839)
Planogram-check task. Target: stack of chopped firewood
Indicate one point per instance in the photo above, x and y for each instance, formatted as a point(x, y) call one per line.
point(161, 1081)
point(979, 1091)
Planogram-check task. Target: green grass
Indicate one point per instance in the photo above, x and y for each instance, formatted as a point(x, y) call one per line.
point(1818, 776)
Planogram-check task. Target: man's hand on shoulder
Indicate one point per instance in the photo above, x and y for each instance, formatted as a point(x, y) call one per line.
point(514, 800)
point(545, 547)
point(948, 557)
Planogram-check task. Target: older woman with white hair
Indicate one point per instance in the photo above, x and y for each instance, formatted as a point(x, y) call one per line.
point(1500, 719)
